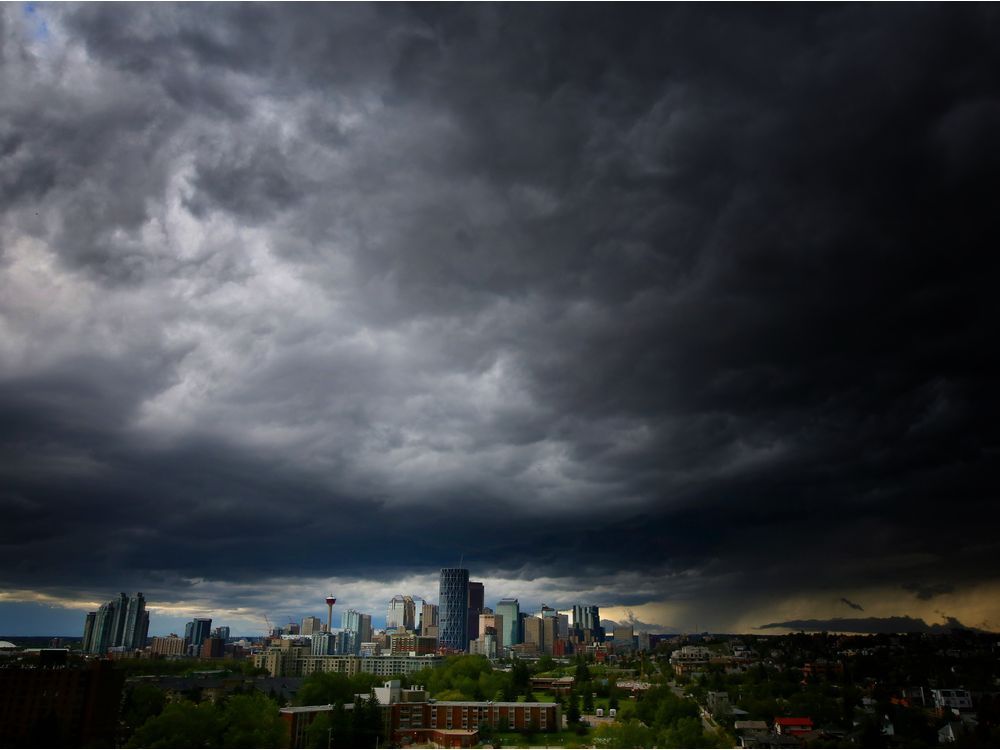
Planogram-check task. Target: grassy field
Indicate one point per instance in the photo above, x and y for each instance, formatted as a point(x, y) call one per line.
point(542, 696)
point(541, 739)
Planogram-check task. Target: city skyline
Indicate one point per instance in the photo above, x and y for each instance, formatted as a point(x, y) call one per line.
point(682, 311)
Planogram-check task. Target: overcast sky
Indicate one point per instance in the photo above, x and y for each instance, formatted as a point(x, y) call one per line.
point(685, 311)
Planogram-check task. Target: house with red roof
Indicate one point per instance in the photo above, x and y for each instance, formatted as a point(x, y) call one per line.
point(792, 726)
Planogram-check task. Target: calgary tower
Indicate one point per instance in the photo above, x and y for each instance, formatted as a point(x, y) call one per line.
point(330, 601)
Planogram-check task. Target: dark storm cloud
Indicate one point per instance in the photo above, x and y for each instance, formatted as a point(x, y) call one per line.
point(698, 292)
point(929, 591)
point(852, 605)
point(903, 624)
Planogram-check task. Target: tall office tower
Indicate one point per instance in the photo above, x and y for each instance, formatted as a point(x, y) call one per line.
point(122, 622)
point(592, 617)
point(429, 619)
point(510, 611)
point(88, 631)
point(118, 621)
point(550, 631)
point(198, 630)
point(356, 629)
point(623, 638)
point(477, 597)
point(102, 638)
point(521, 618)
point(534, 632)
point(324, 644)
point(453, 609)
point(365, 628)
point(311, 625)
point(221, 632)
point(401, 614)
point(563, 625)
point(490, 622)
point(135, 622)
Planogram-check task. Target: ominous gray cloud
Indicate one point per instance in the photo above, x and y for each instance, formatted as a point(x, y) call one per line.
point(903, 624)
point(852, 605)
point(930, 590)
point(703, 295)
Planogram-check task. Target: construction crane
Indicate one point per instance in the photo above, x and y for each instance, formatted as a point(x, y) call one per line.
point(270, 628)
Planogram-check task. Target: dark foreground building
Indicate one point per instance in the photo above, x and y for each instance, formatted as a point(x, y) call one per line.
point(60, 706)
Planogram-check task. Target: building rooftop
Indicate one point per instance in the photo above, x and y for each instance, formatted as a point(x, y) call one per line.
point(484, 704)
point(312, 709)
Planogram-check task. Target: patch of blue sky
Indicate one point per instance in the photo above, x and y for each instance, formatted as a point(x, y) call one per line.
point(37, 25)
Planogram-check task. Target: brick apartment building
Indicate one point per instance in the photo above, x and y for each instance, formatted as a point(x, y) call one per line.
point(61, 706)
point(410, 717)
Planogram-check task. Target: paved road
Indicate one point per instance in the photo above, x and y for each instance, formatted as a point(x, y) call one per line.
point(707, 722)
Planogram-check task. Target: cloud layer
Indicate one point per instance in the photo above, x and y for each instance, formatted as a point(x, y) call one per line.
point(654, 305)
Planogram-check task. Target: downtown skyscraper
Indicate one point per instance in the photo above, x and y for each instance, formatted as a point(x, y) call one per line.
point(356, 628)
point(453, 609)
point(476, 602)
point(120, 623)
point(510, 611)
point(401, 614)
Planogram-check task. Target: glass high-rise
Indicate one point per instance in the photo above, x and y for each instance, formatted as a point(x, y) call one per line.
point(510, 610)
point(356, 628)
point(477, 600)
point(401, 614)
point(453, 609)
point(200, 629)
point(120, 623)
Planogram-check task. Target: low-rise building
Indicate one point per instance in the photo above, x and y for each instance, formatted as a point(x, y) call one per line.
point(408, 644)
point(718, 703)
point(169, 645)
point(793, 726)
point(960, 700)
point(412, 718)
point(213, 648)
point(298, 662)
point(688, 659)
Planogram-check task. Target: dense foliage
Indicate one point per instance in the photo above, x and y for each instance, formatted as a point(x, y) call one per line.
point(241, 721)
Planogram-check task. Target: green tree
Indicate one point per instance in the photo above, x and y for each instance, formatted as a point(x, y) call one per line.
point(532, 728)
point(321, 688)
point(685, 732)
point(318, 734)
point(142, 702)
point(573, 712)
point(181, 724)
point(545, 664)
point(582, 673)
point(252, 721)
point(485, 732)
point(341, 729)
point(520, 676)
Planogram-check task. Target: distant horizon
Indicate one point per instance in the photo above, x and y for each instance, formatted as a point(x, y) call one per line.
point(880, 626)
